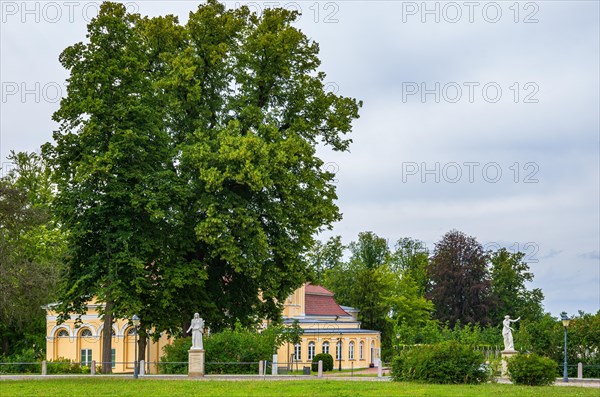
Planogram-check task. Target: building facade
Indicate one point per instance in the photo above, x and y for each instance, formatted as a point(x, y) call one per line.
point(327, 328)
point(82, 343)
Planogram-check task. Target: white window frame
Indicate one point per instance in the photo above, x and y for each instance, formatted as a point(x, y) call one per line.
point(325, 348)
point(351, 350)
point(60, 332)
point(298, 352)
point(86, 330)
point(338, 350)
point(311, 350)
point(85, 356)
point(361, 350)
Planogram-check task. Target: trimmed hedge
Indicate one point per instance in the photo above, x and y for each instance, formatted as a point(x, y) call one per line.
point(327, 362)
point(445, 362)
point(532, 370)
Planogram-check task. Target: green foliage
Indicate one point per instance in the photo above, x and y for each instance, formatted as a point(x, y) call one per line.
point(545, 338)
point(411, 258)
point(65, 366)
point(366, 282)
point(508, 277)
point(433, 331)
point(327, 362)
point(24, 362)
point(225, 349)
point(175, 356)
point(186, 164)
point(532, 370)
point(31, 252)
point(445, 362)
point(238, 346)
point(325, 256)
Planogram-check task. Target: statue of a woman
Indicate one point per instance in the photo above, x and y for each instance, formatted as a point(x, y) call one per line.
point(196, 327)
point(507, 333)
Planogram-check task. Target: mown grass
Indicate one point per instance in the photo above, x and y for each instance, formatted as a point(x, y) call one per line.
point(184, 387)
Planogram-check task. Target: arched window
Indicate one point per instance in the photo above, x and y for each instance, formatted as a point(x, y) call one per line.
point(338, 350)
point(361, 350)
point(351, 351)
point(325, 349)
point(63, 333)
point(86, 332)
point(311, 350)
point(298, 352)
point(131, 331)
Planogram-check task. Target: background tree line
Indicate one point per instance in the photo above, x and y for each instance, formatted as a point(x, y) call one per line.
point(457, 292)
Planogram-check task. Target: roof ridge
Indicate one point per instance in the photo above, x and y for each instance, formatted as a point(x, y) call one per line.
point(317, 292)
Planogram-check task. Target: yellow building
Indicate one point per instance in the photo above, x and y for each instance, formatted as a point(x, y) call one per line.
point(327, 328)
point(84, 342)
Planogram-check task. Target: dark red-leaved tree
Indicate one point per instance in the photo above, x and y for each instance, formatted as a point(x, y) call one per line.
point(459, 281)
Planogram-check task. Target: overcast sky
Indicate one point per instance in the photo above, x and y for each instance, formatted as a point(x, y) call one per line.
point(478, 116)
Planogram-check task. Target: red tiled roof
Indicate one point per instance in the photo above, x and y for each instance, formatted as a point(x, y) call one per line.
point(319, 302)
point(317, 289)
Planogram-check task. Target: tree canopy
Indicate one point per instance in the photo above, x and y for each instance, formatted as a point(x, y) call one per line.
point(459, 280)
point(31, 249)
point(186, 164)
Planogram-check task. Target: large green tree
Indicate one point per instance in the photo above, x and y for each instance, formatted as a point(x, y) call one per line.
point(411, 258)
point(31, 248)
point(247, 108)
point(186, 164)
point(323, 257)
point(367, 283)
point(509, 273)
point(113, 164)
point(459, 280)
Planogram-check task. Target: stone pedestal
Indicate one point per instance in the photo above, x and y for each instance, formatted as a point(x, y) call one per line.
point(274, 365)
point(196, 362)
point(506, 355)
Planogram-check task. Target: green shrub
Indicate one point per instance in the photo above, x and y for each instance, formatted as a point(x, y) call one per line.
point(445, 362)
point(63, 366)
point(175, 355)
point(229, 352)
point(532, 370)
point(27, 356)
point(327, 362)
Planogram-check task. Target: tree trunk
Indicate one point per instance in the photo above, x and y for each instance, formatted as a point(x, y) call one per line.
point(107, 339)
point(142, 343)
point(186, 326)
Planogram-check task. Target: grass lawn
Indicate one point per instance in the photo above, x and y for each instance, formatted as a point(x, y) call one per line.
point(184, 387)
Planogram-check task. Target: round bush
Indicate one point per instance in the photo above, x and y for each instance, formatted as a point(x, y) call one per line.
point(445, 362)
point(327, 362)
point(532, 370)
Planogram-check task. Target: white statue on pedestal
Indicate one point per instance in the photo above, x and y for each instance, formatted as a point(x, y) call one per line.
point(196, 327)
point(507, 333)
